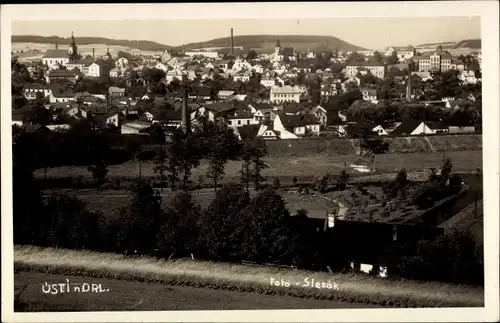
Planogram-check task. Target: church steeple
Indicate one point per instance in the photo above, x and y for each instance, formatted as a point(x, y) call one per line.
point(277, 49)
point(73, 49)
point(108, 55)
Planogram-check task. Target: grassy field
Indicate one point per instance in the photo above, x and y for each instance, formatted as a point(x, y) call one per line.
point(141, 296)
point(351, 287)
point(302, 167)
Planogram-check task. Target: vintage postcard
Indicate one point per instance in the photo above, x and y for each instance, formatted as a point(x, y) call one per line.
point(250, 162)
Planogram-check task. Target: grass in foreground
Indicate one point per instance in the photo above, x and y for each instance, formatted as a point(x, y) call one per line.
point(353, 288)
point(126, 295)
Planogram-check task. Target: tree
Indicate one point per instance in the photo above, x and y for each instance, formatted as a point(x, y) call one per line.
point(183, 148)
point(179, 232)
point(27, 205)
point(69, 224)
point(259, 150)
point(133, 146)
point(99, 171)
point(140, 220)
point(446, 170)
point(393, 59)
point(266, 235)
point(447, 84)
point(355, 58)
point(217, 160)
point(246, 163)
point(252, 54)
point(222, 227)
point(377, 57)
point(343, 179)
point(161, 166)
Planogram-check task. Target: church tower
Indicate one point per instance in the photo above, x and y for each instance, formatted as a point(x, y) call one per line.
point(277, 50)
point(73, 49)
point(108, 55)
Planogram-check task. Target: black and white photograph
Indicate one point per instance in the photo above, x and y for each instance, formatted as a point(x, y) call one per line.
point(158, 159)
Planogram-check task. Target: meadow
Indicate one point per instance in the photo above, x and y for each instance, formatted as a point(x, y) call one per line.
point(286, 168)
point(352, 288)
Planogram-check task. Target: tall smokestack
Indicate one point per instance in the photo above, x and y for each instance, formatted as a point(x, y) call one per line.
point(184, 110)
point(408, 88)
point(93, 53)
point(232, 42)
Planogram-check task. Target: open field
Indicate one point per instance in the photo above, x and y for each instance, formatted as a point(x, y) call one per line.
point(285, 168)
point(351, 287)
point(141, 296)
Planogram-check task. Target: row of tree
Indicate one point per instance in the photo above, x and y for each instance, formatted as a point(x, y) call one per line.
point(232, 228)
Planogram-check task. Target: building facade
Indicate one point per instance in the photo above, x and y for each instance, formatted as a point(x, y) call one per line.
point(281, 94)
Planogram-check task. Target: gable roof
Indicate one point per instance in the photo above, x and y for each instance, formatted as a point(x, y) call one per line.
point(406, 127)
point(62, 73)
point(56, 53)
point(220, 107)
point(248, 132)
point(35, 86)
point(293, 121)
point(436, 125)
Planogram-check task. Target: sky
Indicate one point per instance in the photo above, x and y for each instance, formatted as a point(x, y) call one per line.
point(370, 33)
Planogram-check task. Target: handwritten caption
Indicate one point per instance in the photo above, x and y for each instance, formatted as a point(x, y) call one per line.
point(307, 282)
point(68, 287)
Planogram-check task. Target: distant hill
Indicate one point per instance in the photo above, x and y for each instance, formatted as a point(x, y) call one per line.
point(267, 43)
point(468, 43)
point(145, 45)
point(259, 43)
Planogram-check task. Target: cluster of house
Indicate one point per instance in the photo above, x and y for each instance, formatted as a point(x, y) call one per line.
point(270, 119)
point(276, 68)
point(248, 118)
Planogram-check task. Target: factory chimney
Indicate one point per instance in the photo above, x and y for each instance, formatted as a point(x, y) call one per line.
point(93, 53)
point(232, 42)
point(184, 110)
point(408, 87)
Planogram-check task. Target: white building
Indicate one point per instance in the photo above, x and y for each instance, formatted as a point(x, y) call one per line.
point(436, 61)
point(294, 126)
point(378, 70)
point(285, 94)
point(405, 52)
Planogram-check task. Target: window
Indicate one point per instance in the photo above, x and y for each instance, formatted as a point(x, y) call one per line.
point(239, 122)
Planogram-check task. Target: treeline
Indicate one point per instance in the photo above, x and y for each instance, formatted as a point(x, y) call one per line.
point(232, 228)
